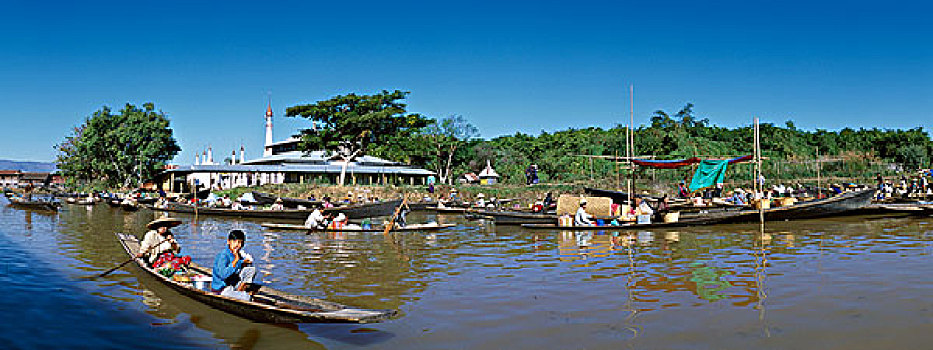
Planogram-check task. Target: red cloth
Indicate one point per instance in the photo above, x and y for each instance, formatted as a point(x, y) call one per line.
point(176, 261)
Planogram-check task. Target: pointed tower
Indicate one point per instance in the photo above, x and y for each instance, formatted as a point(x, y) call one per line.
point(242, 154)
point(267, 151)
point(210, 156)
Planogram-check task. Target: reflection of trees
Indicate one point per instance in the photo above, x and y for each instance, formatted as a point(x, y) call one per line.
point(88, 234)
point(352, 268)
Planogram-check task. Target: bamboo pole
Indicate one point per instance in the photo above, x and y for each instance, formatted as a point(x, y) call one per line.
point(761, 208)
point(631, 141)
point(818, 179)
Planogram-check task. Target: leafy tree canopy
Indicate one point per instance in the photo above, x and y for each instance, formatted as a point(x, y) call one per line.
point(349, 125)
point(122, 149)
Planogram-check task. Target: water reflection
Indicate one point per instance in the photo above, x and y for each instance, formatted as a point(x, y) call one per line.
point(600, 289)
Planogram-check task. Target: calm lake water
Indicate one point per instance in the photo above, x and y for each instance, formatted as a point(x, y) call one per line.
point(849, 283)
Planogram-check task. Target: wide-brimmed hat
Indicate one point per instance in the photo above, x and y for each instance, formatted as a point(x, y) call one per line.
point(480, 195)
point(167, 222)
point(582, 201)
point(278, 200)
point(739, 190)
point(340, 217)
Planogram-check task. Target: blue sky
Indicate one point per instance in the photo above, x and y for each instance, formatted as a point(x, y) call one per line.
point(505, 66)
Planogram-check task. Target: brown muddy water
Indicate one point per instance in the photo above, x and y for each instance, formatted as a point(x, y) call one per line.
point(846, 283)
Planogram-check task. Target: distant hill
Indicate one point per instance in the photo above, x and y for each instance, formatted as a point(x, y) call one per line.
point(27, 166)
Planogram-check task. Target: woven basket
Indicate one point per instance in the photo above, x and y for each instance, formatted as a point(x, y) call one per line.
point(598, 206)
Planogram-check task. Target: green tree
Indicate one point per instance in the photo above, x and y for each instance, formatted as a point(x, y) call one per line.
point(446, 137)
point(121, 149)
point(350, 125)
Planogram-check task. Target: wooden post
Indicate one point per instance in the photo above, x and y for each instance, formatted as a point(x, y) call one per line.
point(818, 166)
point(761, 209)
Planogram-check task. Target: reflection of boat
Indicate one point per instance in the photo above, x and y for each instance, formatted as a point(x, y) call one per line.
point(410, 227)
point(114, 203)
point(351, 211)
point(268, 305)
point(34, 204)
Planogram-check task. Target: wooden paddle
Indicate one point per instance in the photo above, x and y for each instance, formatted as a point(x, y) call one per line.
point(127, 261)
point(398, 210)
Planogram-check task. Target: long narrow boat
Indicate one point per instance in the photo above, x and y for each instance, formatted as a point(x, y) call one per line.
point(266, 199)
point(131, 206)
point(34, 204)
point(351, 211)
point(513, 217)
point(268, 305)
point(449, 210)
point(849, 202)
point(412, 227)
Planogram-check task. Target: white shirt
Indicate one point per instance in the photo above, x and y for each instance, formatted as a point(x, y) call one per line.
point(645, 209)
point(152, 239)
point(582, 218)
point(316, 219)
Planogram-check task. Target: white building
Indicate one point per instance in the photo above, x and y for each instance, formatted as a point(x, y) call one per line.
point(282, 162)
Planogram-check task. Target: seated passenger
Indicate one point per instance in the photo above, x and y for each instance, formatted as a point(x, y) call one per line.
point(278, 205)
point(582, 218)
point(232, 273)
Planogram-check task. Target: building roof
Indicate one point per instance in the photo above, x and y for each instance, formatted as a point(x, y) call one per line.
point(10, 172)
point(317, 158)
point(35, 176)
point(290, 168)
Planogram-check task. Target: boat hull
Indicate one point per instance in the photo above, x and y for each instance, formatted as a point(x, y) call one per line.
point(268, 303)
point(352, 212)
point(413, 227)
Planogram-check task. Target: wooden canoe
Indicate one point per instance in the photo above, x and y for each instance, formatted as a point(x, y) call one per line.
point(849, 202)
point(36, 205)
point(511, 217)
point(351, 211)
point(267, 199)
point(412, 227)
point(268, 305)
point(449, 210)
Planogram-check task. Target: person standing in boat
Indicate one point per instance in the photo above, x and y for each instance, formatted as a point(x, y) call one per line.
point(159, 240)
point(582, 218)
point(233, 274)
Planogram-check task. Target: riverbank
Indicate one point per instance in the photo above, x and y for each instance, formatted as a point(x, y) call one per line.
point(522, 195)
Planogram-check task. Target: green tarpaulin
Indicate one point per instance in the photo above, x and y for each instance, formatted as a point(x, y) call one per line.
point(709, 173)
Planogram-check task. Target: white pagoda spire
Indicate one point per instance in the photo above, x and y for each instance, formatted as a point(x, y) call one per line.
point(267, 150)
